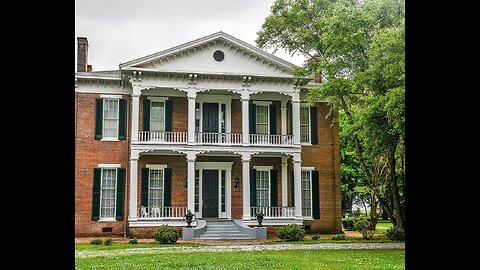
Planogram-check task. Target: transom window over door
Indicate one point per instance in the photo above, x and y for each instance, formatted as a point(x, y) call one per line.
point(157, 116)
point(155, 188)
point(108, 192)
point(262, 118)
point(263, 188)
point(306, 194)
point(110, 118)
point(305, 124)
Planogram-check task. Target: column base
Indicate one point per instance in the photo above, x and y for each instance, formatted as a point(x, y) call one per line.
point(132, 218)
point(298, 217)
point(246, 218)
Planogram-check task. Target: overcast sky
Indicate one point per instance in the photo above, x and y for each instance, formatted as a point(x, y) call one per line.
point(119, 31)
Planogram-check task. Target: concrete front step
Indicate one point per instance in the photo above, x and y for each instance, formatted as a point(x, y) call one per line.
point(222, 230)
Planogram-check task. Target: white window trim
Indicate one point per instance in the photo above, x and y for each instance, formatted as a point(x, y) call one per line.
point(306, 105)
point(262, 103)
point(308, 169)
point(265, 169)
point(109, 166)
point(100, 204)
point(163, 184)
point(157, 99)
point(156, 166)
point(268, 117)
point(111, 96)
point(111, 139)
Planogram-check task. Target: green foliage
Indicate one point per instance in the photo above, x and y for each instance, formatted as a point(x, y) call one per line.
point(396, 234)
point(133, 241)
point(338, 237)
point(362, 226)
point(315, 237)
point(291, 232)
point(349, 222)
point(108, 242)
point(96, 242)
point(166, 234)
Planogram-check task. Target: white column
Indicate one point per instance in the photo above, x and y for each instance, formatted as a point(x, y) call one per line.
point(135, 112)
point(297, 174)
point(283, 114)
point(245, 118)
point(191, 156)
point(284, 182)
point(296, 118)
point(132, 206)
point(246, 185)
point(192, 94)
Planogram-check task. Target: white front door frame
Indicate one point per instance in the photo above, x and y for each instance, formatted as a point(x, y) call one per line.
point(227, 166)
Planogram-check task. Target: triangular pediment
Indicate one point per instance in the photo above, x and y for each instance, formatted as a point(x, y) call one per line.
point(232, 56)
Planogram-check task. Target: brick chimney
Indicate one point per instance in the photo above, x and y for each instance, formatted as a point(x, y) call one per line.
point(82, 54)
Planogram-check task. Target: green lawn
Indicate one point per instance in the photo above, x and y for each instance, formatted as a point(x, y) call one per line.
point(117, 246)
point(383, 225)
point(281, 259)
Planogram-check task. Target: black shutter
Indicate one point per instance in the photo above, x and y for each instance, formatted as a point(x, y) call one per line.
point(273, 188)
point(253, 188)
point(146, 114)
point(315, 195)
point(120, 193)
point(167, 187)
point(292, 183)
point(97, 177)
point(98, 119)
point(122, 119)
point(313, 125)
point(168, 115)
point(144, 192)
point(252, 114)
point(273, 119)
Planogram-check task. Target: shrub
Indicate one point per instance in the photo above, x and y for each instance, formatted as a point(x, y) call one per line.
point(396, 234)
point(291, 232)
point(362, 226)
point(315, 237)
point(108, 242)
point(349, 222)
point(166, 234)
point(96, 242)
point(133, 241)
point(356, 213)
point(338, 237)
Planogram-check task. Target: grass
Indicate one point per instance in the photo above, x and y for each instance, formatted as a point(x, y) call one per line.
point(383, 225)
point(118, 246)
point(280, 259)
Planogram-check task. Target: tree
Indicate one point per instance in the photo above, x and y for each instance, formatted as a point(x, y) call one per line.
point(358, 48)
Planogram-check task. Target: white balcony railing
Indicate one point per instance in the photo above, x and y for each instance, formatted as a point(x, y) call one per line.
point(167, 212)
point(266, 139)
point(218, 138)
point(274, 211)
point(163, 137)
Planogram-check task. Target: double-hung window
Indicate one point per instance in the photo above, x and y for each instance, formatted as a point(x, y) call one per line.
point(110, 118)
point(263, 188)
point(157, 116)
point(262, 118)
point(155, 188)
point(305, 125)
point(108, 192)
point(306, 193)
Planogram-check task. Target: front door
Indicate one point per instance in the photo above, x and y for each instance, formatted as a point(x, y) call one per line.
point(210, 193)
point(210, 117)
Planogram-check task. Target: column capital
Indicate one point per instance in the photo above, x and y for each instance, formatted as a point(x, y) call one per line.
point(191, 156)
point(246, 156)
point(245, 95)
point(137, 90)
point(192, 93)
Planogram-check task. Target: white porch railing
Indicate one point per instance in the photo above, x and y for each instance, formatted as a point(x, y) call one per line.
point(274, 211)
point(167, 212)
point(218, 138)
point(163, 137)
point(266, 139)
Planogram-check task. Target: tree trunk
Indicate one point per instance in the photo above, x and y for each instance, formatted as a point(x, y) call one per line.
point(386, 207)
point(373, 211)
point(397, 212)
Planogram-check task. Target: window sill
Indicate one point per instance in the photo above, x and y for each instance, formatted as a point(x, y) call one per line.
point(306, 144)
point(106, 220)
point(308, 218)
point(110, 140)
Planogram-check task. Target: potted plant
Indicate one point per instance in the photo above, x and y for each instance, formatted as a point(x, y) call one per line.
point(259, 218)
point(189, 216)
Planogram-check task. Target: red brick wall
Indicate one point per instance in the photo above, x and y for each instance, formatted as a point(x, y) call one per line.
point(236, 116)
point(88, 154)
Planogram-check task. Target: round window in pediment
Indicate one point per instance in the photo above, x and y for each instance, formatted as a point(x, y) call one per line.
point(218, 56)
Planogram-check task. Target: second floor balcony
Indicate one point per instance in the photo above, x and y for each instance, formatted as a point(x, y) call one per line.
point(209, 138)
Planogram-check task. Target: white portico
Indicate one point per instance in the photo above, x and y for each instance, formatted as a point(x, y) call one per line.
point(212, 75)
